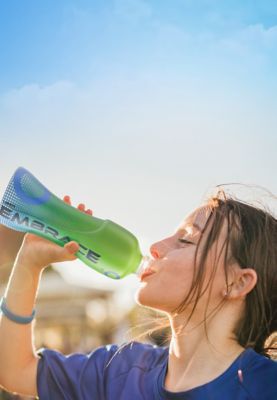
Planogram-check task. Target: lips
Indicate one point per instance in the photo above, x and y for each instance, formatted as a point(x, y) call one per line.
point(146, 273)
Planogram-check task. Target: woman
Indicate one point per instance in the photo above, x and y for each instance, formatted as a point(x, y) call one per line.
point(215, 280)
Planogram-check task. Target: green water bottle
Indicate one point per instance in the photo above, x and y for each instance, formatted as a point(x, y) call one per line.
point(28, 206)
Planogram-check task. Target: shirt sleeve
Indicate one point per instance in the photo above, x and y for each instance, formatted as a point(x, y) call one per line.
point(74, 376)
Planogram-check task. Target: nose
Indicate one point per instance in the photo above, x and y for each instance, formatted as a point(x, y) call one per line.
point(159, 249)
point(154, 252)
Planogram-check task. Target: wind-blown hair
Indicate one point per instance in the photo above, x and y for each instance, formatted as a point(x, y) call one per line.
point(251, 242)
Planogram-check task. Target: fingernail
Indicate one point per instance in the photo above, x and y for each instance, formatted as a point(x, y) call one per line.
point(72, 248)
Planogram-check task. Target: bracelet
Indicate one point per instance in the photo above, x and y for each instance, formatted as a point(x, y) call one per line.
point(13, 317)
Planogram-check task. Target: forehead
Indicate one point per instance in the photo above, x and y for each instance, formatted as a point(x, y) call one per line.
point(196, 220)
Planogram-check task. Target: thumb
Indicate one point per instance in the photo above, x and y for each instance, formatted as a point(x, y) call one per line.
point(71, 247)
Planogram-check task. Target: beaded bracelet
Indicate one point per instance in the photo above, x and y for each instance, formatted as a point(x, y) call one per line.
point(13, 317)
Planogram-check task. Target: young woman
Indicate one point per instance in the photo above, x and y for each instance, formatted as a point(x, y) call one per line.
point(215, 279)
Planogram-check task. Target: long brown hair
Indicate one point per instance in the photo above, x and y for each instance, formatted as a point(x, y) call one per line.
point(251, 241)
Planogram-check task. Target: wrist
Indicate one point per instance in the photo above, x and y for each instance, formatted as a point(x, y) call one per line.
point(24, 261)
point(19, 319)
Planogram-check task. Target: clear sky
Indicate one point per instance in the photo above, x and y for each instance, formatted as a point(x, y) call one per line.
point(139, 107)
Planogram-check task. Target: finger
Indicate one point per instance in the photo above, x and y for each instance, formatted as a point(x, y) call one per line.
point(67, 199)
point(71, 247)
point(89, 211)
point(81, 207)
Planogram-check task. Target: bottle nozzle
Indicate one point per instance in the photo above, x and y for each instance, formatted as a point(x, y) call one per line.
point(143, 264)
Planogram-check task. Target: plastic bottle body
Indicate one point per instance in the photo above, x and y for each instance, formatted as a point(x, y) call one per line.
point(105, 246)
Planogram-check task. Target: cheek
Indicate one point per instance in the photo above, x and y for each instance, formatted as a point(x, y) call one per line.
point(214, 267)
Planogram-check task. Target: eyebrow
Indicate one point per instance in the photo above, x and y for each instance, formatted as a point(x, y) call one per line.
point(194, 225)
point(197, 227)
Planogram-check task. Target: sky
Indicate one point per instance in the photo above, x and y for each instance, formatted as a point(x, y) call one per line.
point(138, 108)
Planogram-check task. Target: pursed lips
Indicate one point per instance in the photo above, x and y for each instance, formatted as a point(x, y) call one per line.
point(147, 272)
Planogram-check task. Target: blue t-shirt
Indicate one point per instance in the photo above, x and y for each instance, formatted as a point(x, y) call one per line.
point(137, 372)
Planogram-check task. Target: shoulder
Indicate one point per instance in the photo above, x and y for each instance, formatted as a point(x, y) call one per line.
point(135, 354)
point(258, 363)
point(62, 376)
point(260, 375)
point(109, 356)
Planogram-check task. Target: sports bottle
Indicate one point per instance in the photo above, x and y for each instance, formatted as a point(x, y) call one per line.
point(28, 206)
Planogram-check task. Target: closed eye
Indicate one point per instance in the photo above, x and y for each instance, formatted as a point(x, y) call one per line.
point(185, 241)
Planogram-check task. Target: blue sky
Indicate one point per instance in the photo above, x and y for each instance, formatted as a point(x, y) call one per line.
point(48, 41)
point(139, 107)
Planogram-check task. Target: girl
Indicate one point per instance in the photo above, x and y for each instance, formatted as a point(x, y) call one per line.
point(215, 281)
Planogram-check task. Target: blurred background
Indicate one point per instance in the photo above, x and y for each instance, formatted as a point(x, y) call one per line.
point(137, 108)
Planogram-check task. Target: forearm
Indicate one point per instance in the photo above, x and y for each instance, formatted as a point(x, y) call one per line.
point(16, 340)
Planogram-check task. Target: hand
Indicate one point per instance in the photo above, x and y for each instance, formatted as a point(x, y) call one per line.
point(39, 252)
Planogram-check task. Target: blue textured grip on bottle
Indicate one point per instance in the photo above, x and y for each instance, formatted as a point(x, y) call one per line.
point(23, 191)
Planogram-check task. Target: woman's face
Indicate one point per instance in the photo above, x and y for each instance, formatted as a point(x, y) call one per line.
point(174, 266)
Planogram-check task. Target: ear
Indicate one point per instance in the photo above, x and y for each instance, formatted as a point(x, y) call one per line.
point(245, 280)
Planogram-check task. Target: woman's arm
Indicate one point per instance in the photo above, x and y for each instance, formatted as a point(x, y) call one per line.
point(18, 359)
point(17, 352)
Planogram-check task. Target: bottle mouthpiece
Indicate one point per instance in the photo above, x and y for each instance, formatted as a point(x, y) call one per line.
point(143, 265)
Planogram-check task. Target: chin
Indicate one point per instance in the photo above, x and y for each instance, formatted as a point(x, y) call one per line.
point(146, 299)
point(140, 297)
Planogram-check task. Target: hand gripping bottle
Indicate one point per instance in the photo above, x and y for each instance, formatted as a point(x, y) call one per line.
point(108, 248)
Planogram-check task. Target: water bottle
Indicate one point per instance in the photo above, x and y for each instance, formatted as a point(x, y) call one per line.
point(28, 206)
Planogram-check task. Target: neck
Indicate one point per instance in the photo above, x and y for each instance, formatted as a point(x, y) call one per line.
point(199, 354)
